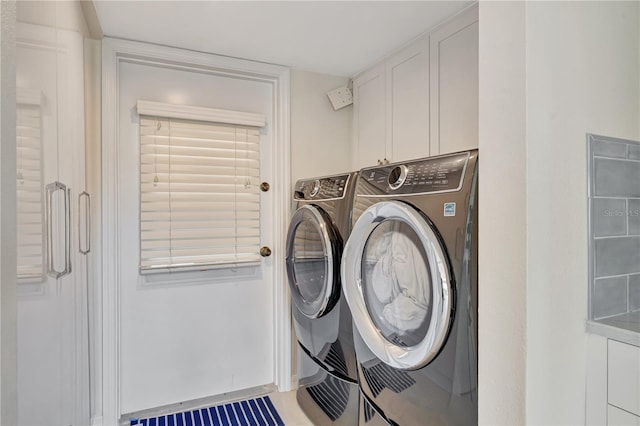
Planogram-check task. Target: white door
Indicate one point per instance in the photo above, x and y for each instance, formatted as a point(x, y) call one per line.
point(189, 335)
point(397, 280)
point(52, 282)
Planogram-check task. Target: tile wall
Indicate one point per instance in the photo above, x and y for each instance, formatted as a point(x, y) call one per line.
point(614, 212)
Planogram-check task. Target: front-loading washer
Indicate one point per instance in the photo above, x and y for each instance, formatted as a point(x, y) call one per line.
point(327, 374)
point(409, 273)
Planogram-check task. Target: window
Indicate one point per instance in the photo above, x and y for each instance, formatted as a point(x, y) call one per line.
point(30, 235)
point(199, 188)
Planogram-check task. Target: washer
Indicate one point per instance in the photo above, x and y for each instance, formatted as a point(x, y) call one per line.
point(409, 273)
point(327, 374)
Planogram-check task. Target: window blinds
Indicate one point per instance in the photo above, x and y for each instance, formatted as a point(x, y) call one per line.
point(30, 235)
point(199, 194)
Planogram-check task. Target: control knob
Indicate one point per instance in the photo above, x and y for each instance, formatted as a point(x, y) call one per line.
point(397, 176)
point(315, 189)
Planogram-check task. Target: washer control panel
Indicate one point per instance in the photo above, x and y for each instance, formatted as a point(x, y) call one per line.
point(322, 188)
point(438, 174)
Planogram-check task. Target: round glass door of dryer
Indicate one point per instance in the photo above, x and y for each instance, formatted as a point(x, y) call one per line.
point(314, 250)
point(396, 283)
point(397, 280)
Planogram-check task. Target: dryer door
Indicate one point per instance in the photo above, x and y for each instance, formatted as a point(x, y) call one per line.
point(314, 249)
point(398, 282)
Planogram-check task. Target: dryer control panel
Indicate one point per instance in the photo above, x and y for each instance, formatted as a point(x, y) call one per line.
point(324, 188)
point(428, 175)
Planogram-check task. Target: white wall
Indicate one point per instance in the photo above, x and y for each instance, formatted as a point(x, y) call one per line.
point(581, 67)
point(582, 77)
point(64, 15)
point(320, 136)
point(502, 214)
point(8, 305)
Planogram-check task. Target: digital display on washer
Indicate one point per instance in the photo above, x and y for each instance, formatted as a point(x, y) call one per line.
point(439, 174)
point(321, 188)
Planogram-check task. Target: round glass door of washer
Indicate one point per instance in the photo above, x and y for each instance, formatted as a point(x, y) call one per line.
point(314, 250)
point(397, 281)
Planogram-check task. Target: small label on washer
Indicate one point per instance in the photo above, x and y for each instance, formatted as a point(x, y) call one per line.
point(449, 209)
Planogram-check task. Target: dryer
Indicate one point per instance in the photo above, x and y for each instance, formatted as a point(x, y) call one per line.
point(409, 272)
point(327, 374)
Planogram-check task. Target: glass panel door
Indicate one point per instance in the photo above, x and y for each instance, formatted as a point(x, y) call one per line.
point(398, 283)
point(313, 258)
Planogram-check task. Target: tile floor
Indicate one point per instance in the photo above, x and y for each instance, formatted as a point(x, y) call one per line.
point(288, 408)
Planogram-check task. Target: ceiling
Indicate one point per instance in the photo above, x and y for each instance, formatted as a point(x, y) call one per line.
point(332, 37)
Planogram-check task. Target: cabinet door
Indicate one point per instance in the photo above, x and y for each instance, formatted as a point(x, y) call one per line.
point(454, 84)
point(408, 102)
point(623, 386)
point(369, 118)
point(618, 417)
point(53, 348)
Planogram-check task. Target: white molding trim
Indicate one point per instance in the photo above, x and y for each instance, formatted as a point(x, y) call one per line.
point(115, 52)
point(282, 182)
point(161, 109)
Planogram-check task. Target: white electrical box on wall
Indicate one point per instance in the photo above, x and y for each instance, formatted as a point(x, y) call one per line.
point(340, 97)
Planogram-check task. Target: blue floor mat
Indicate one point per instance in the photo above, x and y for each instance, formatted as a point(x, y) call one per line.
point(250, 412)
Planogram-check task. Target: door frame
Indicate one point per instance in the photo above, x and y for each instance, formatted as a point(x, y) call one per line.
point(114, 52)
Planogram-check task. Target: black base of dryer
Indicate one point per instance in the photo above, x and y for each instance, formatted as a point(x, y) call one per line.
point(442, 393)
point(325, 398)
point(329, 340)
point(369, 416)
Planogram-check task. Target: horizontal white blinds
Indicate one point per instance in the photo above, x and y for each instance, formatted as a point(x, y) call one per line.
point(199, 194)
point(30, 235)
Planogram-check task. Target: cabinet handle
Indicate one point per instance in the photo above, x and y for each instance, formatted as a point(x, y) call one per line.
point(385, 161)
point(379, 163)
point(87, 223)
point(50, 190)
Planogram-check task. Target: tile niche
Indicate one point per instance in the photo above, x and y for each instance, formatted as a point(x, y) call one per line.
point(614, 231)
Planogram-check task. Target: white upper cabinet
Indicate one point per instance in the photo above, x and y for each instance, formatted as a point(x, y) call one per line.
point(369, 118)
point(422, 100)
point(454, 84)
point(408, 102)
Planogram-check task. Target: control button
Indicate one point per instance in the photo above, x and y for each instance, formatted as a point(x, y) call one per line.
point(397, 177)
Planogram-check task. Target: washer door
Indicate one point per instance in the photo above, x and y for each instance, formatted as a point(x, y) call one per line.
point(398, 282)
point(314, 249)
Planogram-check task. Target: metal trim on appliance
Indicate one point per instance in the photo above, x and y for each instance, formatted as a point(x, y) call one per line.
point(333, 246)
point(443, 286)
point(396, 195)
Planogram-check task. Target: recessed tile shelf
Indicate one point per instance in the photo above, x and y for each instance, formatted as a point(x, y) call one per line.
point(614, 235)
